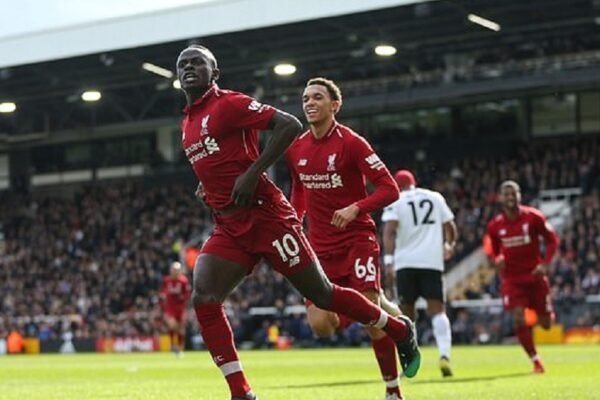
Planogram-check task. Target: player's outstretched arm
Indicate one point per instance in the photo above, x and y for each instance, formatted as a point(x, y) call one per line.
point(285, 127)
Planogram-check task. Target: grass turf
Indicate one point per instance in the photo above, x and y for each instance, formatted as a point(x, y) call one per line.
point(499, 372)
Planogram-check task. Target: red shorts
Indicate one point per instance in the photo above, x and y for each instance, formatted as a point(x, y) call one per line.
point(175, 312)
point(534, 294)
point(355, 266)
point(269, 231)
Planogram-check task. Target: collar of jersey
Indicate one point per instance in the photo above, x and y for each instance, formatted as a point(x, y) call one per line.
point(212, 90)
point(520, 212)
point(334, 125)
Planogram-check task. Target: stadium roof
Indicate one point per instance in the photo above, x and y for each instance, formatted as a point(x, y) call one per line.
point(91, 27)
point(429, 36)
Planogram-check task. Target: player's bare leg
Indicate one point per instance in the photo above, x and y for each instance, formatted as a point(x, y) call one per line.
point(409, 310)
point(214, 279)
point(525, 336)
point(442, 332)
point(323, 323)
point(315, 286)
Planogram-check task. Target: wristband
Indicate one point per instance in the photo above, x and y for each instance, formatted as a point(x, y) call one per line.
point(388, 259)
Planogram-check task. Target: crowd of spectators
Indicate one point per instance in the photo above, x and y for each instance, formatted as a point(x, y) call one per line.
point(432, 68)
point(96, 256)
point(91, 261)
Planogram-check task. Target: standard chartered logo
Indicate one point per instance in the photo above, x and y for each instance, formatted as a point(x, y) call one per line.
point(321, 181)
point(336, 181)
point(211, 145)
point(201, 149)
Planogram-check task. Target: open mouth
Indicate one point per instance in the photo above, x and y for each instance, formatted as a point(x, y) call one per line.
point(189, 77)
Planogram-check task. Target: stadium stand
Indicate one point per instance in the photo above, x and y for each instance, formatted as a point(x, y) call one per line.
point(95, 257)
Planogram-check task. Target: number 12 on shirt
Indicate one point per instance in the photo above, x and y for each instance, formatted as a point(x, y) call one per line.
point(425, 203)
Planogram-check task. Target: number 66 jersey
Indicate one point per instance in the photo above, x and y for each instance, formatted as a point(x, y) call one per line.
point(421, 215)
point(329, 174)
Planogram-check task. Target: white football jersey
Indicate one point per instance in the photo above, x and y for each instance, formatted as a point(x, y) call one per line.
point(421, 215)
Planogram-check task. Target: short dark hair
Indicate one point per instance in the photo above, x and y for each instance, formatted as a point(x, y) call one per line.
point(510, 184)
point(205, 50)
point(334, 91)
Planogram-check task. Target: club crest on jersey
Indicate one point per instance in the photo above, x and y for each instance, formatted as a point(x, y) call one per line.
point(204, 126)
point(331, 162)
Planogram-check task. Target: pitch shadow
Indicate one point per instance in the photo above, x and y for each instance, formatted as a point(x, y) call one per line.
point(325, 384)
point(416, 382)
point(470, 379)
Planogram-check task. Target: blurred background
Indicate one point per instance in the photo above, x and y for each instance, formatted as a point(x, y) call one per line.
point(97, 197)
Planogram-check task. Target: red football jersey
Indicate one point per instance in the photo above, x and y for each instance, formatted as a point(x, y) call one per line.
point(329, 174)
point(175, 290)
point(220, 139)
point(518, 241)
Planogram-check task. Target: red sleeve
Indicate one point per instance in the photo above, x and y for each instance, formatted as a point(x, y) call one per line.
point(551, 238)
point(371, 166)
point(246, 113)
point(297, 193)
point(494, 241)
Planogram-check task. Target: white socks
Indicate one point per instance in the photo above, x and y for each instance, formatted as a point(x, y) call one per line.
point(381, 321)
point(442, 333)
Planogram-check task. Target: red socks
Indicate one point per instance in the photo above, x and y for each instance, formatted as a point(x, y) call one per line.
point(357, 307)
point(526, 340)
point(218, 338)
point(385, 352)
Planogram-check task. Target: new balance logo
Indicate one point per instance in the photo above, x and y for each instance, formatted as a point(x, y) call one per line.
point(375, 162)
point(294, 261)
point(302, 162)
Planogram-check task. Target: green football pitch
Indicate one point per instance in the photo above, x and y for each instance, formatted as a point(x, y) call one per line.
point(503, 373)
